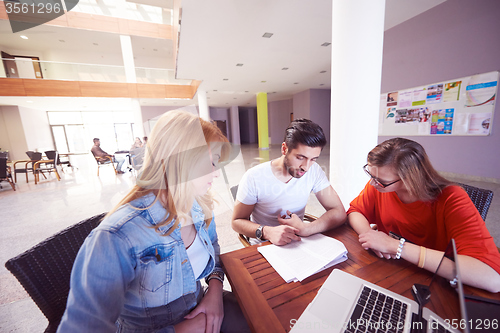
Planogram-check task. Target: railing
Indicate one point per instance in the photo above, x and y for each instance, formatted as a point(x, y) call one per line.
point(34, 69)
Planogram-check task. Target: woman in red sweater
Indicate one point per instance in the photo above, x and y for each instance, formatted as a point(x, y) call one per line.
point(407, 196)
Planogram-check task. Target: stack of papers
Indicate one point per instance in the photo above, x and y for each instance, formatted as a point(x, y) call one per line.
point(301, 259)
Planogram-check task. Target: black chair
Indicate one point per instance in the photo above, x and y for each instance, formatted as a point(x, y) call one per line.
point(28, 164)
point(480, 197)
point(5, 174)
point(63, 163)
point(48, 165)
point(44, 270)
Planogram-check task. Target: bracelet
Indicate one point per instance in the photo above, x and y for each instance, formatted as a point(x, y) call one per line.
point(421, 259)
point(400, 247)
point(218, 275)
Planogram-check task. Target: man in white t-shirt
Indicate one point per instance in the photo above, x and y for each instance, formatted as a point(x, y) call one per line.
point(272, 196)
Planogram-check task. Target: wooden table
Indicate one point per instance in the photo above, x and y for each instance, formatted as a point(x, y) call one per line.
point(269, 303)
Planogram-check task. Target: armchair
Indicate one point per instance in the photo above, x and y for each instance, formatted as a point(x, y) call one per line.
point(46, 165)
point(104, 161)
point(5, 174)
point(28, 164)
point(44, 270)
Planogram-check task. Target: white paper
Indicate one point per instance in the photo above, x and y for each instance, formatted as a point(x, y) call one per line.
point(301, 259)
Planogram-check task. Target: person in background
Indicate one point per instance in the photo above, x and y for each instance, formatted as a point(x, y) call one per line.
point(102, 156)
point(407, 197)
point(275, 193)
point(140, 269)
point(137, 143)
point(145, 140)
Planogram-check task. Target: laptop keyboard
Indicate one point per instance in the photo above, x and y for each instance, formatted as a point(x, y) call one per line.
point(376, 312)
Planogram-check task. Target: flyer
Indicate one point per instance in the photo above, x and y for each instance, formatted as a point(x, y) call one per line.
point(392, 98)
point(434, 93)
point(419, 96)
point(479, 123)
point(452, 91)
point(481, 90)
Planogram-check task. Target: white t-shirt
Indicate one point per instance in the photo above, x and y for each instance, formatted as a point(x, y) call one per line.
point(271, 196)
point(198, 256)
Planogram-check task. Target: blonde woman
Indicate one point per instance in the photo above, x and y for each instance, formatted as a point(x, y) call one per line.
point(140, 269)
point(406, 196)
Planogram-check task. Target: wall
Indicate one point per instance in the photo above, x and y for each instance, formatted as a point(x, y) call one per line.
point(302, 105)
point(279, 118)
point(37, 129)
point(248, 125)
point(320, 109)
point(221, 114)
point(452, 40)
point(13, 138)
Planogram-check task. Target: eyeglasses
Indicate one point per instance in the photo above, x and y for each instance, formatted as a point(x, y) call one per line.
point(378, 182)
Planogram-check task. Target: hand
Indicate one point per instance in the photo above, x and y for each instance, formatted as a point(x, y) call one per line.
point(194, 325)
point(380, 243)
point(211, 305)
point(293, 221)
point(281, 234)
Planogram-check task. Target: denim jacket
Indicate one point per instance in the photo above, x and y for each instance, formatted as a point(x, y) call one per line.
point(131, 278)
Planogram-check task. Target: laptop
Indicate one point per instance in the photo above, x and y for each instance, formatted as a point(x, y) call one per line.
point(348, 304)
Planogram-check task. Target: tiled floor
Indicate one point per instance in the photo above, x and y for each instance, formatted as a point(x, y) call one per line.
point(35, 212)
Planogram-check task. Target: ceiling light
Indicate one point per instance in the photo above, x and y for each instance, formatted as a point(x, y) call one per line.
point(323, 72)
point(267, 35)
point(295, 83)
point(321, 84)
point(95, 44)
point(62, 40)
point(239, 65)
point(246, 91)
point(225, 79)
point(155, 50)
point(326, 44)
point(284, 68)
point(23, 37)
point(215, 90)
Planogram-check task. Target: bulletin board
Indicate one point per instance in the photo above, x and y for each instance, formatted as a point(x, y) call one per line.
point(463, 106)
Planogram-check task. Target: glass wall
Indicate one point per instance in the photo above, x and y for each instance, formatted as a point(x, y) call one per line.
point(74, 132)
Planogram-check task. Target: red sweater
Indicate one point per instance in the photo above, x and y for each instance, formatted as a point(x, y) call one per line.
point(431, 224)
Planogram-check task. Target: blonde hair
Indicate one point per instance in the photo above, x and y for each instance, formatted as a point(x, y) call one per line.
point(176, 153)
point(410, 161)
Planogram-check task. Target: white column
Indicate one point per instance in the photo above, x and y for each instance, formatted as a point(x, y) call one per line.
point(357, 44)
point(128, 58)
point(234, 115)
point(137, 112)
point(203, 105)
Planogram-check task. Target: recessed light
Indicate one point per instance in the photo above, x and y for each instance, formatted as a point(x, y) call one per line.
point(267, 35)
point(295, 83)
point(326, 44)
point(234, 97)
point(321, 84)
point(23, 37)
point(95, 44)
point(284, 69)
point(239, 65)
point(215, 90)
point(323, 72)
point(225, 79)
point(62, 40)
point(246, 91)
point(155, 50)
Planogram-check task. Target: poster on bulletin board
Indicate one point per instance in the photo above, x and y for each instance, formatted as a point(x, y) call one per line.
point(463, 106)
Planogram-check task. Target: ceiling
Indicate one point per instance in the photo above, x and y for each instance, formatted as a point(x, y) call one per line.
point(216, 36)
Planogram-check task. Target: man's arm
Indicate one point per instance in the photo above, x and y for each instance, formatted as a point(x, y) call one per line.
point(333, 217)
point(241, 223)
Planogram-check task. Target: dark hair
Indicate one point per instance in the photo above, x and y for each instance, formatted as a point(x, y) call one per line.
point(410, 161)
point(304, 131)
point(96, 139)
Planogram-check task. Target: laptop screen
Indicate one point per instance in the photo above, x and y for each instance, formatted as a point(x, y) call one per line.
point(478, 314)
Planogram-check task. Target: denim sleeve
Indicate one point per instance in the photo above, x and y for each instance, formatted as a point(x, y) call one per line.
point(101, 273)
point(212, 232)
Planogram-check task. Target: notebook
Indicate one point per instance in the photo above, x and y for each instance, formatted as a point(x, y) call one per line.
point(348, 304)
